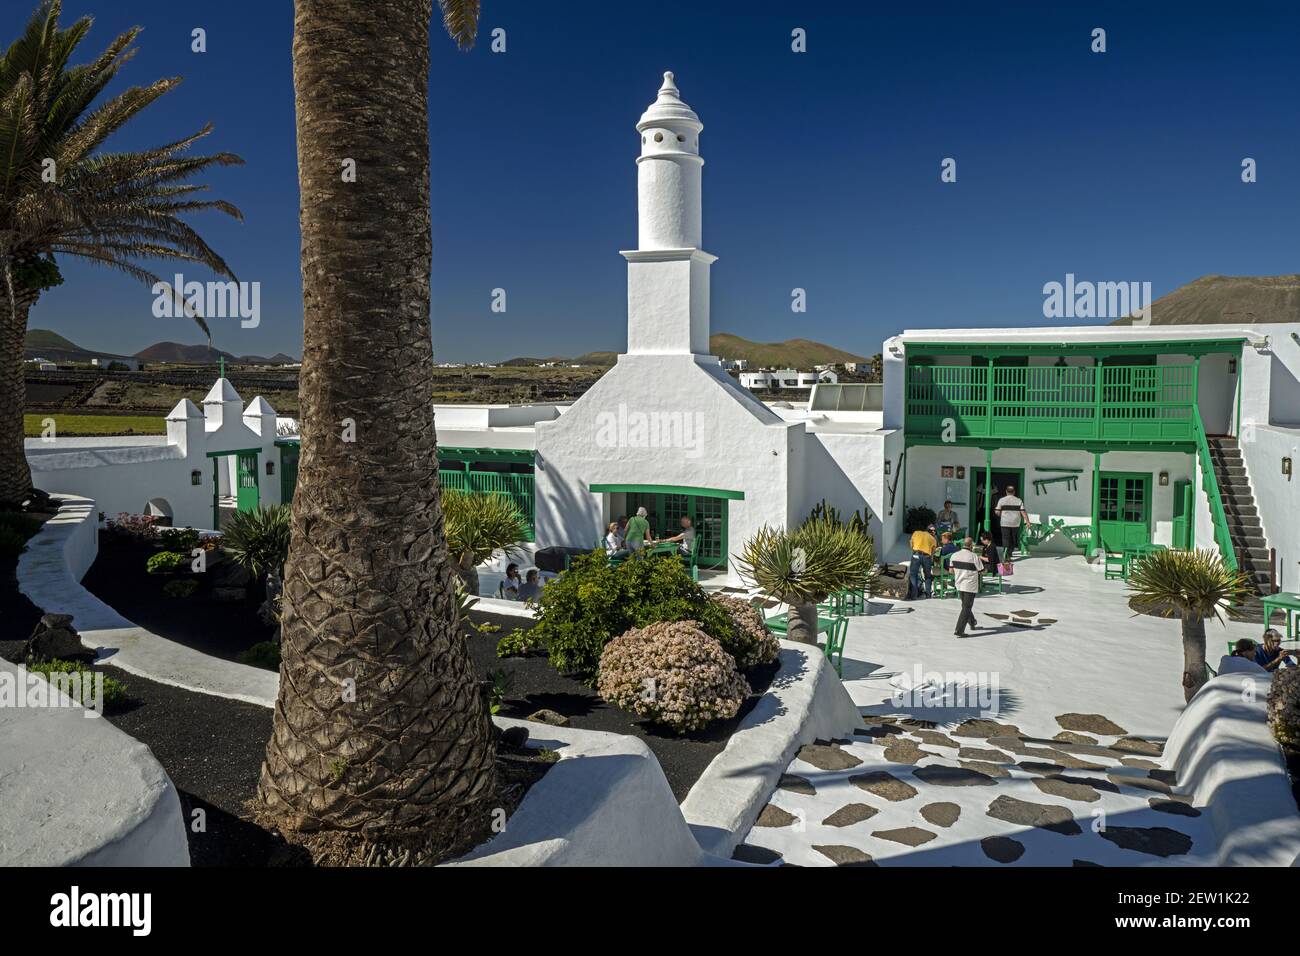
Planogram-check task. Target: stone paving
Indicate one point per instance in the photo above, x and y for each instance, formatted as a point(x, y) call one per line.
point(1035, 741)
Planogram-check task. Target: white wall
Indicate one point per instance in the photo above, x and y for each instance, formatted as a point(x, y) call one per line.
point(1277, 496)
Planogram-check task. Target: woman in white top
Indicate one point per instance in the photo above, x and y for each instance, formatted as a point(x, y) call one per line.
point(614, 542)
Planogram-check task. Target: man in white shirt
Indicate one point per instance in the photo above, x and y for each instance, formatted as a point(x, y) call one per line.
point(966, 567)
point(1011, 515)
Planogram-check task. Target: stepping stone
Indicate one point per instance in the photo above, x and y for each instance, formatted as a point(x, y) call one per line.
point(1136, 745)
point(1034, 766)
point(876, 731)
point(941, 776)
point(844, 855)
point(1058, 787)
point(748, 853)
point(850, 814)
point(796, 784)
point(941, 814)
point(884, 784)
point(1097, 783)
point(981, 753)
point(902, 750)
point(908, 836)
point(935, 739)
point(1139, 763)
point(827, 757)
point(1140, 783)
point(996, 617)
point(1075, 763)
point(979, 766)
point(1164, 776)
point(1156, 841)
point(1070, 737)
point(1046, 816)
point(1047, 620)
point(1002, 849)
point(982, 727)
point(1176, 807)
point(1024, 613)
point(774, 816)
point(1090, 724)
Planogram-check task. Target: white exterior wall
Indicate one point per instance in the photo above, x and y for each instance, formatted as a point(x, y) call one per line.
point(1276, 495)
point(847, 470)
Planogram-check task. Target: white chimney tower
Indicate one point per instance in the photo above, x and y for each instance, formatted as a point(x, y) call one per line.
point(668, 273)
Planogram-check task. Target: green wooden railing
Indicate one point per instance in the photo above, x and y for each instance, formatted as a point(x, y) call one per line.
point(1137, 403)
point(518, 487)
point(1222, 537)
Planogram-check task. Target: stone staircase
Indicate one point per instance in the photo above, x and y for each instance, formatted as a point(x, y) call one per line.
point(1243, 521)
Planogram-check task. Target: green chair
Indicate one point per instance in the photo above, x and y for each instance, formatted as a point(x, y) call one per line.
point(834, 649)
point(835, 605)
point(945, 581)
point(990, 581)
point(1116, 565)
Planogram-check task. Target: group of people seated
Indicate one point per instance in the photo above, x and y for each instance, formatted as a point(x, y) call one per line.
point(626, 536)
point(1267, 653)
point(929, 551)
point(516, 588)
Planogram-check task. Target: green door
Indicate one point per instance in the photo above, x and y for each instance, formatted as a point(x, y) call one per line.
point(246, 494)
point(708, 516)
point(1125, 510)
point(1184, 516)
point(288, 472)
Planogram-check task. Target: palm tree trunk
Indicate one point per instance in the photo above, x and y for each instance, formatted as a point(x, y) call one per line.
point(801, 623)
point(15, 473)
point(1193, 655)
point(379, 727)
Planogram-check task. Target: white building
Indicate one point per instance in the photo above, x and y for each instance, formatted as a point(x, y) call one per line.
point(787, 378)
point(1184, 436)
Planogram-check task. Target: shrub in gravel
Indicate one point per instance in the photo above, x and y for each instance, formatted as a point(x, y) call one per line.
point(593, 602)
point(165, 562)
point(115, 692)
point(753, 643)
point(1284, 707)
point(671, 673)
point(183, 540)
point(180, 588)
point(128, 528)
point(263, 654)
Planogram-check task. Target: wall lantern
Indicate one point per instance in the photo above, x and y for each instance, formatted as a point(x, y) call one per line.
point(1232, 366)
point(886, 466)
point(270, 468)
point(1164, 478)
point(196, 477)
point(961, 471)
point(1286, 467)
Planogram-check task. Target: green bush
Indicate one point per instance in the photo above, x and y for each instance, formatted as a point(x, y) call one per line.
point(180, 588)
point(165, 562)
point(592, 603)
point(15, 529)
point(264, 654)
point(183, 540)
point(115, 692)
point(258, 541)
point(519, 643)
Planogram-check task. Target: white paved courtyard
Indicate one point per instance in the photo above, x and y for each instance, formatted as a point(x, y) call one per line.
point(1038, 743)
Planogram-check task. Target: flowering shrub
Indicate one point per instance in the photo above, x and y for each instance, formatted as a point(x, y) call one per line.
point(127, 528)
point(183, 540)
point(1284, 707)
point(671, 673)
point(753, 643)
point(164, 562)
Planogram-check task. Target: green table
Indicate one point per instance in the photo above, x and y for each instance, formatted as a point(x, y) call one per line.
point(835, 628)
point(1288, 602)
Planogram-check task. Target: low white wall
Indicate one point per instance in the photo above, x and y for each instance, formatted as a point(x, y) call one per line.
point(1225, 756)
point(1277, 496)
point(806, 702)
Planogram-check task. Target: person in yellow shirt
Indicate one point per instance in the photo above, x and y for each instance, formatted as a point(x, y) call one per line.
point(920, 571)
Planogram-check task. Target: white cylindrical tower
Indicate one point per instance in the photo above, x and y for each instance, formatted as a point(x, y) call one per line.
point(668, 173)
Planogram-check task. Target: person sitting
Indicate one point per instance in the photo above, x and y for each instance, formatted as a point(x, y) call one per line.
point(531, 589)
point(946, 544)
point(920, 571)
point(1245, 648)
point(1270, 654)
point(947, 518)
point(988, 550)
point(638, 531)
point(509, 587)
point(614, 542)
point(685, 541)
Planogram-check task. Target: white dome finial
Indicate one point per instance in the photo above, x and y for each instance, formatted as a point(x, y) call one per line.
point(669, 86)
point(669, 110)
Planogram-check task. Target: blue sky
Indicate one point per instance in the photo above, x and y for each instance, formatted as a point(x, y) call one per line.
point(822, 168)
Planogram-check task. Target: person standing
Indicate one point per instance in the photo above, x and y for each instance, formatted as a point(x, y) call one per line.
point(920, 572)
point(1011, 515)
point(638, 531)
point(966, 567)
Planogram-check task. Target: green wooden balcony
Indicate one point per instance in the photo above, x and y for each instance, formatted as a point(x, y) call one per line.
point(1111, 403)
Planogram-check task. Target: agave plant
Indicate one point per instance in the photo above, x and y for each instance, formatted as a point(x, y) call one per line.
point(478, 525)
point(258, 541)
point(806, 565)
point(1194, 586)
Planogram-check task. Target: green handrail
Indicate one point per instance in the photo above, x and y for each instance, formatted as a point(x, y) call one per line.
point(1222, 537)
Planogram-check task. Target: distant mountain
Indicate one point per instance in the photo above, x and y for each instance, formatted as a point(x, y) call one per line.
point(42, 343)
point(792, 353)
point(1219, 300)
point(176, 353)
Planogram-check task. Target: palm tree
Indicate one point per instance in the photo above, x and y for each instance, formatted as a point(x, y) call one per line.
point(382, 748)
point(804, 566)
point(1194, 586)
point(479, 525)
point(61, 193)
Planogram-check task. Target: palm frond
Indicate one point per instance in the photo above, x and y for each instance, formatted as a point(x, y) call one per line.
point(460, 18)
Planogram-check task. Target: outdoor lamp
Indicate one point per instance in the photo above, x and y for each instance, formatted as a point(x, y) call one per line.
point(1232, 366)
point(196, 477)
point(886, 466)
point(1164, 478)
point(270, 468)
point(1286, 467)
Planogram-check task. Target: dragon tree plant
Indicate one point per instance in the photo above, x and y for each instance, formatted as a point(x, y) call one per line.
point(1193, 586)
point(479, 525)
point(62, 193)
point(807, 565)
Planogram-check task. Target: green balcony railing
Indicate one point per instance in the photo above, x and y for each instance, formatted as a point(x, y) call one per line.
point(518, 487)
point(1222, 537)
point(1120, 403)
